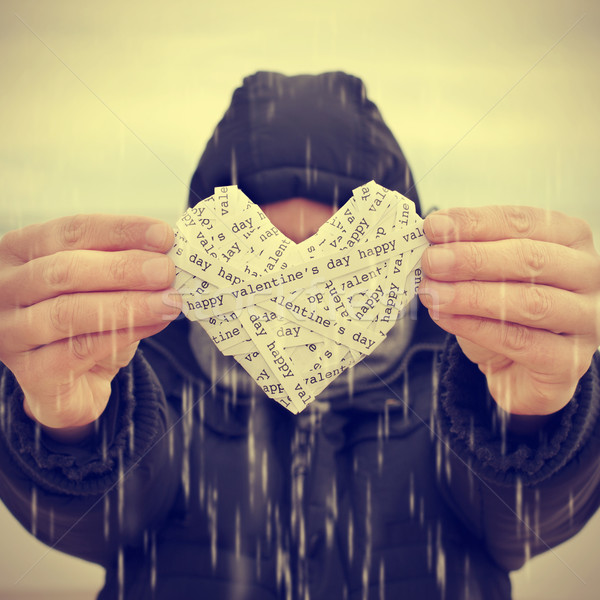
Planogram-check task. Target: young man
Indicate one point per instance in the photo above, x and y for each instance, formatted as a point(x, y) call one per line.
point(431, 469)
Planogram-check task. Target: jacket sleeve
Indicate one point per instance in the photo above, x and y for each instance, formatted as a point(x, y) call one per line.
point(90, 499)
point(521, 495)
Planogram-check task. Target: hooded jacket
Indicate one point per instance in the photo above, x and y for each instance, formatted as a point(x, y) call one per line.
point(407, 485)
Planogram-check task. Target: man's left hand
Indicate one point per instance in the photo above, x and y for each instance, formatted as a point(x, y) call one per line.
point(520, 289)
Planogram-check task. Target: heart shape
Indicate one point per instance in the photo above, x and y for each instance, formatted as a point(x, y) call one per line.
point(296, 316)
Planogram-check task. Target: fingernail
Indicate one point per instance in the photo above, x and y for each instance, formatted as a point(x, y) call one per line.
point(441, 260)
point(157, 234)
point(156, 270)
point(441, 226)
point(166, 303)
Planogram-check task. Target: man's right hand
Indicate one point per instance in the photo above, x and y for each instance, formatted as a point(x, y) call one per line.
point(77, 294)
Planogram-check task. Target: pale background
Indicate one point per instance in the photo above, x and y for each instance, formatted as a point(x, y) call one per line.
point(106, 106)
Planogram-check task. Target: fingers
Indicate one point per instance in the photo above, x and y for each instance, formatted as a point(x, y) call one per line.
point(85, 271)
point(543, 307)
point(106, 351)
point(553, 358)
point(90, 360)
point(506, 222)
point(513, 260)
point(91, 232)
point(71, 315)
point(522, 390)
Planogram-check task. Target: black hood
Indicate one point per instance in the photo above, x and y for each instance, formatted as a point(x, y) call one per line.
point(311, 136)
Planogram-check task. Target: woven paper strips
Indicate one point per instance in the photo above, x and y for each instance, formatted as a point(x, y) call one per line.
point(296, 316)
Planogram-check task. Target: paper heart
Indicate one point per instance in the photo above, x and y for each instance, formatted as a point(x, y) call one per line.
point(296, 316)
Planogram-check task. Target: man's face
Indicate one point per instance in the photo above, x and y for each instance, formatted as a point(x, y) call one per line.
point(298, 218)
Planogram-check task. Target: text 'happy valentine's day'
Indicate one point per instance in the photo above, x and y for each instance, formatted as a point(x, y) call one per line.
point(296, 316)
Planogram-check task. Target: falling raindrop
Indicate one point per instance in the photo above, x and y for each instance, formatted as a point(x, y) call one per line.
point(343, 98)
point(201, 410)
point(34, 510)
point(405, 395)
point(308, 164)
point(153, 562)
point(536, 513)
point(234, 174)
point(440, 570)
point(51, 524)
point(380, 436)
point(37, 433)
point(368, 544)
point(350, 537)
point(332, 515)
point(233, 373)
point(238, 532)
point(571, 506)
point(447, 465)
point(106, 517)
point(171, 444)
point(269, 524)
point(438, 458)
point(350, 382)
point(429, 549)
point(213, 497)
point(386, 420)
point(258, 558)
point(121, 573)
point(336, 197)
point(265, 472)
point(280, 551)
point(467, 577)
point(131, 434)
point(3, 394)
point(121, 493)
point(519, 502)
point(104, 446)
point(187, 423)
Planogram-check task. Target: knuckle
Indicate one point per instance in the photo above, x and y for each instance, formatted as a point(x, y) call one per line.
point(62, 313)
point(535, 302)
point(125, 308)
point(520, 219)
point(583, 231)
point(468, 221)
point(124, 232)
point(81, 346)
point(476, 259)
point(118, 268)
point(8, 242)
point(534, 258)
point(58, 270)
point(74, 231)
point(475, 296)
point(516, 337)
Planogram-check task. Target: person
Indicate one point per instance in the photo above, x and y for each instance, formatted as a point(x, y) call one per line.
point(464, 445)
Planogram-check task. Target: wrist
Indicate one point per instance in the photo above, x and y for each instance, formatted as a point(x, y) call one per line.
point(68, 434)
